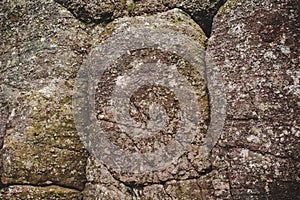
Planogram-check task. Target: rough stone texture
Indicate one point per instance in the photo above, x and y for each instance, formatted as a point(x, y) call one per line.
point(40, 54)
point(255, 45)
point(101, 184)
point(35, 193)
point(4, 114)
point(95, 12)
point(260, 53)
point(45, 148)
point(113, 184)
point(202, 11)
point(268, 175)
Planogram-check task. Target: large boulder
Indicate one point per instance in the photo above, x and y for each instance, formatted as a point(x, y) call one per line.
point(255, 45)
point(40, 54)
point(104, 178)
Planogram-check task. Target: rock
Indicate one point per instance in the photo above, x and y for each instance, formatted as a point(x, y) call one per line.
point(190, 164)
point(188, 189)
point(4, 112)
point(201, 11)
point(96, 191)
point(43, 145)
point(274, 137)
point(254, 44)
point(35, 193)
point(96, 11)
point(265, 172)
point(40, 53)
point(262, 70)
point(101, 184)
point(37, 46)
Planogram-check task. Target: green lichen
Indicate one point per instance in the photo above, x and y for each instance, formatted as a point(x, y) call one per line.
point(109, 29)
point(49, 141)
point(16, 3)
point(229, 4)
point(268, 106)
point(132, 6)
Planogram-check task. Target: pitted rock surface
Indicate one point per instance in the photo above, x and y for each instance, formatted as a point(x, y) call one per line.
point(40, 54)
point(95, 12)
point(35, 192)
point(190, 165)
point(254, 44)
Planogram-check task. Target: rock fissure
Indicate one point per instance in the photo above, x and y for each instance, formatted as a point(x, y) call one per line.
point(254, 45)
point(203, 16)
point(262, 152)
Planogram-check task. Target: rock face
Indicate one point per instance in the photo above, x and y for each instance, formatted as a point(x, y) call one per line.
point(35, 192)
point(110, 182)
point(254, 45)
point(40, 54)
point(95, 12)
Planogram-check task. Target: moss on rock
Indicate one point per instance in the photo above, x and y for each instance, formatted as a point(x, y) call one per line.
point(48, 149)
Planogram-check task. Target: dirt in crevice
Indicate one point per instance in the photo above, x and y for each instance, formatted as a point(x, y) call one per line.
point(204, 18)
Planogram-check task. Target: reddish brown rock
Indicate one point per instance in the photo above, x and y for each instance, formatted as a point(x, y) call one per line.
point(254, 44)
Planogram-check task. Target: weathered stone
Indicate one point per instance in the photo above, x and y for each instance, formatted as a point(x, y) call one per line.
point(91, 11)
point(101, 184)
point(4, 113)
point(262, 71)
point(94, 11)
point(42, 144)
point(272, 137)
point(36, 193)
point(201, 11)
point(41, 47)
point(94, 191)
point(187, 189)
point(254, 43)
point(39, 41)
point(265, 172)
point(188, 165)
point(215, 185)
